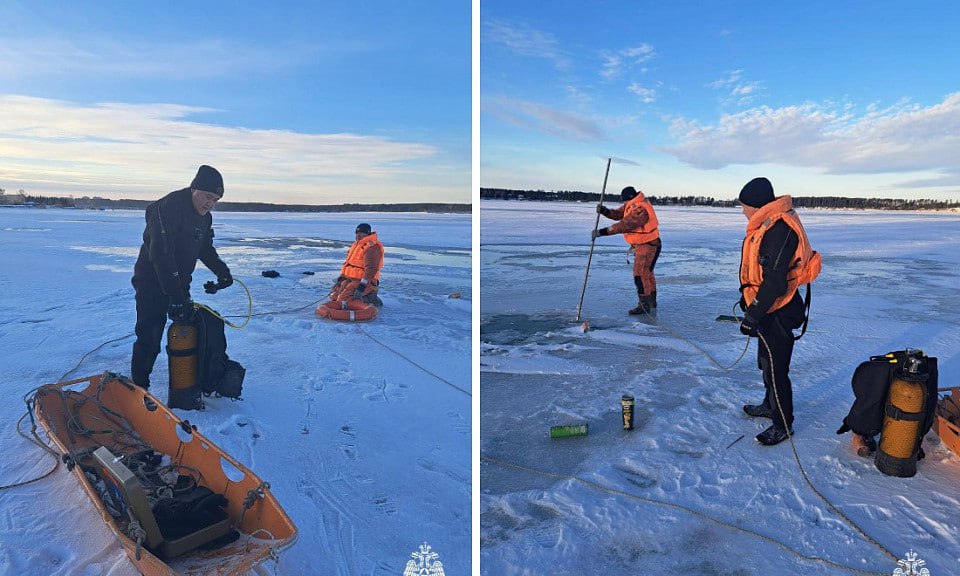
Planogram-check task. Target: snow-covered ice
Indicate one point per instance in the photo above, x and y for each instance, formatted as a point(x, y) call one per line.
point(362, 430)
point(608, 503)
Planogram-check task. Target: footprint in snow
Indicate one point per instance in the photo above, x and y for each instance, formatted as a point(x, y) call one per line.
point(459, 424)
point(385, 505)
point(242, 426)
point(346, 442)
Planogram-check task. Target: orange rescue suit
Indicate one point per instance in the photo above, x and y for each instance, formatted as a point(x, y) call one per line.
point(805, 264)
point(633, 211)
point(353, 267)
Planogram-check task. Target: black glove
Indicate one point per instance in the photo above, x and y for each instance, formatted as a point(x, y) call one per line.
point(222, 282)
point(180, 311)
point(600, 232)
point(749, 326)
point(358, 293)
point(601, 209)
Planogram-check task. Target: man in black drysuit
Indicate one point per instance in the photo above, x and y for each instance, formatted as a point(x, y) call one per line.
point(770, 310)
point(178, 232)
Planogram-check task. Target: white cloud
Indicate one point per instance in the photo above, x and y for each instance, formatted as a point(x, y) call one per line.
point(140, 150)
point(610, 67)
point(898, 139)
point(523, 40)
point(578, 96)
point(540, 117)
point(612, 63)
point(39, 57)
point(735, 90)
point(640, 53)
point(646, 95)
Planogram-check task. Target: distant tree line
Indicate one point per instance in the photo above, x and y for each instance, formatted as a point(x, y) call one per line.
point(804, 202)
point(97, 203)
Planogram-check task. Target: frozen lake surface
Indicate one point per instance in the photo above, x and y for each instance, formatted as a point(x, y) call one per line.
point(362, 430)
point(610, 502)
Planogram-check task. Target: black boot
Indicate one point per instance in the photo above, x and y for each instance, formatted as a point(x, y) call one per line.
point(643, 306)
point(773, 435)
point(653, 299)
point(758, 410)
point(640, 309)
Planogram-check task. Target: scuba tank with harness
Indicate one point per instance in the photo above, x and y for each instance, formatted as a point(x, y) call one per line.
point(198, 362)
point(896, 397)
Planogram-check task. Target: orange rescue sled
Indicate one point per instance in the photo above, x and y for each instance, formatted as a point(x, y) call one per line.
point(350, 310)
point(947, 423)
point(265, 529)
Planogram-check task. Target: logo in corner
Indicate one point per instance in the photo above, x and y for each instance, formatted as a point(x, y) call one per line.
point(910, 566)
point(424, 563)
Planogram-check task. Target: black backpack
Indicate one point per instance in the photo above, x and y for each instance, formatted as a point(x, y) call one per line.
point(871, 382)
point(218, 373)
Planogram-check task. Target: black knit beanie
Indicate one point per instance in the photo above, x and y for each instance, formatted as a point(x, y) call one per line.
point(757, 193)
point(364, 228)
point(628, 193)
point(208, 180)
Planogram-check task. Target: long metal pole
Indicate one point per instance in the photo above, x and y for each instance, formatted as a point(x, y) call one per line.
point(593, 240)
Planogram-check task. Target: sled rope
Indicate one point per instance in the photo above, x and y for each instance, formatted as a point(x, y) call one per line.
point(258, 493)
point(84, 357)
point(695, 345)
point(56, 457)
point(274, 549)
point(803, 472)
point(698, 514)
point(440, 378)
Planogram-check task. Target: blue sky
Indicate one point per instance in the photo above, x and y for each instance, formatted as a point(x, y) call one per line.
point(824, 98)
point(306, 102)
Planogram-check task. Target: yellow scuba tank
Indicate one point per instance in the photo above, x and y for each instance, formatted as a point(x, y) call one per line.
point(903, 414)
point(183, 355)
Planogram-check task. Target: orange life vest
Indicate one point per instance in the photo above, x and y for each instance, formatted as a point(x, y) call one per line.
point(353, 266)
point(804, 266)
point(649, 231)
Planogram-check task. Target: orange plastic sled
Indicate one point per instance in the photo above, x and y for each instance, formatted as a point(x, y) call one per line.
point(947, 424)
point(265, 529)
point(350, 310)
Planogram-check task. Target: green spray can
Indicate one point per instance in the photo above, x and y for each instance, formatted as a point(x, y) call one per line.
point(569, 430)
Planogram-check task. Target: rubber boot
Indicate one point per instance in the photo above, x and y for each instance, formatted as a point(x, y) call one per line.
point(653, 299)
point(643, 305)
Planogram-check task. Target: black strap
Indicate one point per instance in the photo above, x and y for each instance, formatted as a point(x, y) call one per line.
point(806, 313)
point(184, 352)
point(898, 414)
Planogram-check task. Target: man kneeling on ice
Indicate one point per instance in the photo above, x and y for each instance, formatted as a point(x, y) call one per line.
point(360, 274)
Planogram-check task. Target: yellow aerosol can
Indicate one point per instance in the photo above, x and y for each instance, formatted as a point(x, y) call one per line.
point(903, 417)
point(183, 355)
point(626, 409)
